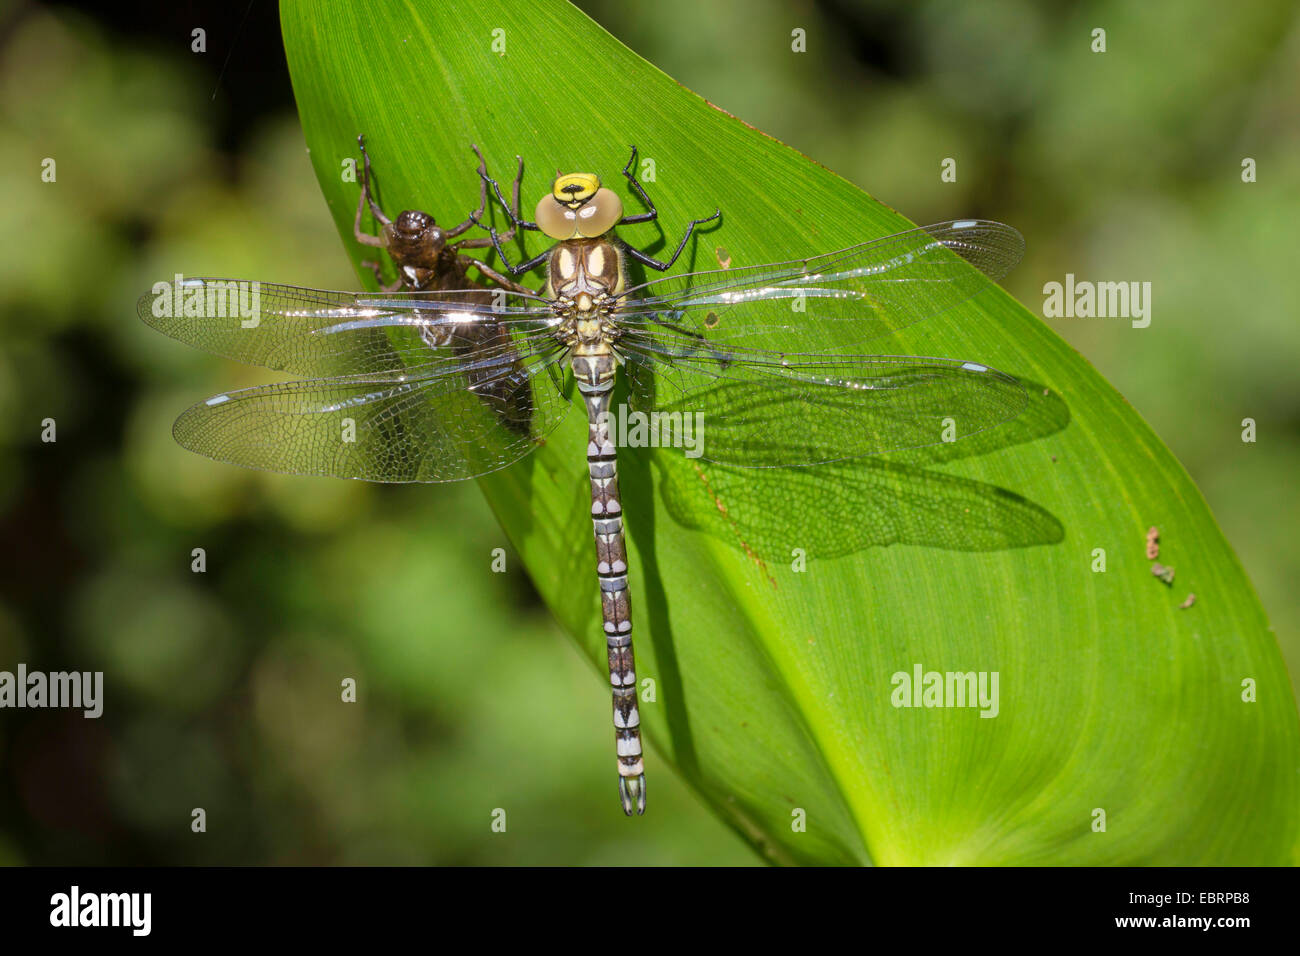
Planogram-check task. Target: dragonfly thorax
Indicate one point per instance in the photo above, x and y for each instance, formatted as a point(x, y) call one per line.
point(586, 271)
point(584, 279)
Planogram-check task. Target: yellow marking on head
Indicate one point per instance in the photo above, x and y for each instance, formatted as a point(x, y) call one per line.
point(574, 189)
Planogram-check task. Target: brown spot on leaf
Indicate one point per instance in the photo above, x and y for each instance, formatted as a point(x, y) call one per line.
point(722, 510)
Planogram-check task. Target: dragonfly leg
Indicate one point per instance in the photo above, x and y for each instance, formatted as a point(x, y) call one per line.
point(367, 197)
point(511, 214)
point(379, 277)
point(473, 217)
point(519, 178)
point(637, 188)
point(516, 223)
point(522, 267)
point(492, 274)
point(651, 216)
point(654, 263)
point(496, 239)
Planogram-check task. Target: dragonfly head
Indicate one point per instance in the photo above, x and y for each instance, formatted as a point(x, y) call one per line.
point(414, 235)
point(578, 206)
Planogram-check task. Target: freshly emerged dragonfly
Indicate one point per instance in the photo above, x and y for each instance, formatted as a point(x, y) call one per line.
point(386, 402)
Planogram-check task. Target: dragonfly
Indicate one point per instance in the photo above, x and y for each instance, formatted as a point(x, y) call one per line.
point(382, 397)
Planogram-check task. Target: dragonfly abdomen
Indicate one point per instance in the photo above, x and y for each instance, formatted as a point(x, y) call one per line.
point(611, 569)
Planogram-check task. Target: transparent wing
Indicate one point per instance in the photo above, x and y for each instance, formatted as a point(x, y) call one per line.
point(833, 301)
point(317, 332)
point(757, 408)
point(456, 423)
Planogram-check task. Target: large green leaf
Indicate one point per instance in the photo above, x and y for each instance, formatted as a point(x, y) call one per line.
point(772, 686)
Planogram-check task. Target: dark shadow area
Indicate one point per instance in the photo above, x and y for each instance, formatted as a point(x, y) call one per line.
point(841, 508)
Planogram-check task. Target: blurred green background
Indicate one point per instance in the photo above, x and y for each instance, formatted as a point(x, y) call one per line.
point(223, 688)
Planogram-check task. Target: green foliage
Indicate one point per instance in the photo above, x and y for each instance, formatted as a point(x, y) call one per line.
point(773, 685)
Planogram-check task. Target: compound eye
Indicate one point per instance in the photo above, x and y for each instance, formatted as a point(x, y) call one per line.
point(600, 213)
point(557, 221)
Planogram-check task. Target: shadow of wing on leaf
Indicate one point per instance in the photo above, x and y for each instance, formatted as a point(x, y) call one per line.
point(844, 507)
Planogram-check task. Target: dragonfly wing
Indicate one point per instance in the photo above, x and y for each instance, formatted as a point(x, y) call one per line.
point(453, 424)
point(834, 301)
point(322, 333)
point(769, 409)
